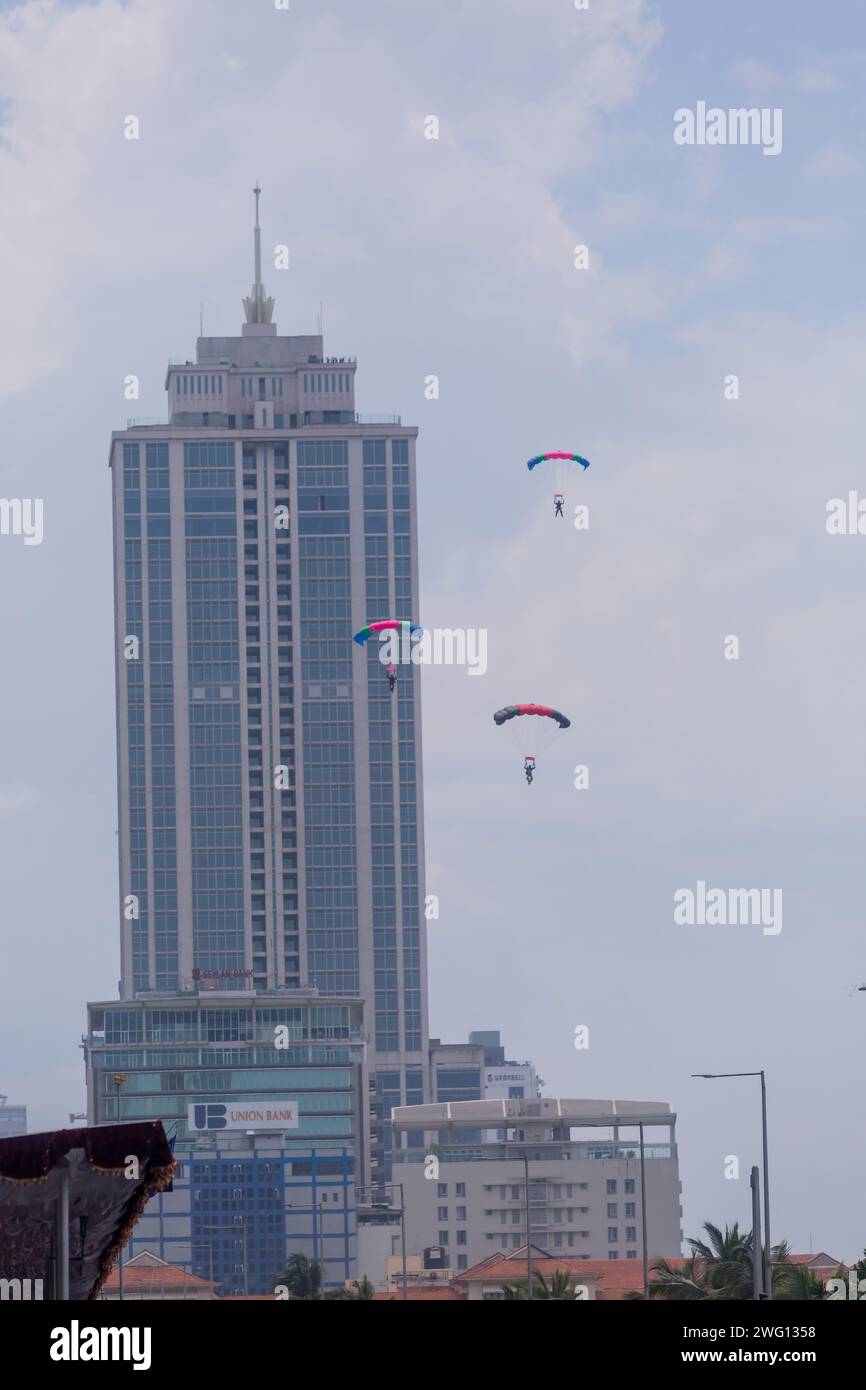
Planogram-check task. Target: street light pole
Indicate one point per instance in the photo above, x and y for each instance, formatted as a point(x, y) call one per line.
point(643, 1215)
point(403, 1237)
point(322, 1237)
point(528, 1230)
point(768, 1249)
point(756, 1232)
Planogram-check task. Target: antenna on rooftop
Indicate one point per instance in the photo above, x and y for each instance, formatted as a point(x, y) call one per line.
point(257, 306)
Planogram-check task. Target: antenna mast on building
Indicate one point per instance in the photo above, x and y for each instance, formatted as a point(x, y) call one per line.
point(257, 306)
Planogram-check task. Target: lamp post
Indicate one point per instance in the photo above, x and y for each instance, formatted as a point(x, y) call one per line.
point(643, 1215)
point(768, 1253)
point(403, 1237)
point(528, 1229)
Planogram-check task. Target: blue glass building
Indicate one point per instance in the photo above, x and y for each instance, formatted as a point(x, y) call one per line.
point(270, 814)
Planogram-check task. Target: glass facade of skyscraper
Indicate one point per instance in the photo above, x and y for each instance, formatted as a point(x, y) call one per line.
point(271, 827)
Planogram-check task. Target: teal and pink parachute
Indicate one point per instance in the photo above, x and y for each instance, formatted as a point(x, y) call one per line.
point(540, 458)
point(412, 630)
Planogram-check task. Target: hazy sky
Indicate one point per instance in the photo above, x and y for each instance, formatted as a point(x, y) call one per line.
point(455, 257)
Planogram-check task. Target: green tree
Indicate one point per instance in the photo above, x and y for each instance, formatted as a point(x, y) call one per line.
point(302, 1278)
point(560, 1287)
point(679, 1284)
point(513, 1292)
point(719, 1267)
point(797, 1282)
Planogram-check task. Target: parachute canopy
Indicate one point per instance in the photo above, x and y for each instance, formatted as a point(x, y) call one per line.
point(395, 624)
point(540, 458)
point(513, 711)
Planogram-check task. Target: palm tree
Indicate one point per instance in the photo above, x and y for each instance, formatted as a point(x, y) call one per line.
point(727, 1261)
point(719, 1268)
point(302, 1278)
point(679, 1285)
point(560, 1287)
point(798, 1282)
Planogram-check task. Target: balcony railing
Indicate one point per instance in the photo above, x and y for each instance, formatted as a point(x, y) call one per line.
point(138, 422)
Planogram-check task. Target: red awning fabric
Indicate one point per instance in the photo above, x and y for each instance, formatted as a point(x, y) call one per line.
point(113, 1171)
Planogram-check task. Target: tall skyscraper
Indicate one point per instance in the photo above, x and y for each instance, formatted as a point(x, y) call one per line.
point(270, 799)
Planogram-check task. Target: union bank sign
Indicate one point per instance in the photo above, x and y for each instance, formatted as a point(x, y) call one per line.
point(242, 1114)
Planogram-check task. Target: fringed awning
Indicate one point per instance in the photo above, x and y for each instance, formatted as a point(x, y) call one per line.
point(113, 1171)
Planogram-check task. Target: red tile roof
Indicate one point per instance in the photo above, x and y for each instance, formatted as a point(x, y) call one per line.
point(820, 1261)
point(146, 1273)
point(614, 1278)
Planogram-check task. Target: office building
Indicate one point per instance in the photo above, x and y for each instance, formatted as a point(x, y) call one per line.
point(265, 1100)
point(270, 812)
point(587, 1195)
point(241, 1206)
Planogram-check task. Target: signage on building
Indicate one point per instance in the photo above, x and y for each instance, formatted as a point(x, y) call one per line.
point(222, 974)
point(243, 1114)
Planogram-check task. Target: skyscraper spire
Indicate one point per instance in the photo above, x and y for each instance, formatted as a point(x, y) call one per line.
point(257, 307)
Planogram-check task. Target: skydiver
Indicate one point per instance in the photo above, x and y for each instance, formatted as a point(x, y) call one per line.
point(392, 678)
point(558, 501)
point(529, 768)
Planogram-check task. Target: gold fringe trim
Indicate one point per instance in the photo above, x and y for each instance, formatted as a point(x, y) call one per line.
point(157, 1180)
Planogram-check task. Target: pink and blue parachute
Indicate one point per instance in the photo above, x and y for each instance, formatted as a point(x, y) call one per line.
point(540, 458)
point(385, 625)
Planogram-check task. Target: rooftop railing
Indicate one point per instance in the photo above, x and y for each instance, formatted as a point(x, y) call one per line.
point(139, 422)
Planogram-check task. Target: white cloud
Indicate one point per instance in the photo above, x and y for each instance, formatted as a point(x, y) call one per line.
point(87, 208)
point(833, 164)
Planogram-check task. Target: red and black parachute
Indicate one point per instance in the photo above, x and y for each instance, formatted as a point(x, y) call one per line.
point(514, 711)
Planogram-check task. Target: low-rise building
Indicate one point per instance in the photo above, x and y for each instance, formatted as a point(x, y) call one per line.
point(591, 1280)
point(590, 1196)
